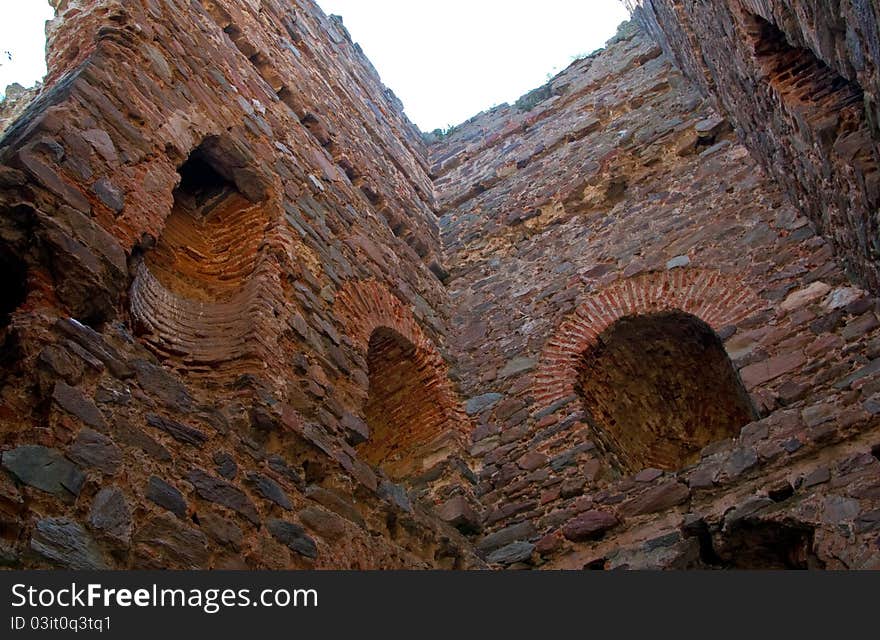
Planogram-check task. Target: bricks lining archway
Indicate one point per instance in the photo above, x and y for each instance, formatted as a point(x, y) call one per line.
point(195, 297)
point(604, 356)
point(413, 412)
point(717, 299)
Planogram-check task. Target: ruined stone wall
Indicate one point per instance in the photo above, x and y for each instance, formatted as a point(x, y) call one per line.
point(235, 333)
point(15, 101)
point(208, 212)
point(667, 365)
point(799, 81)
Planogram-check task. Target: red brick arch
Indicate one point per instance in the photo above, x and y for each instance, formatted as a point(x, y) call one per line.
point(718, 299)
point(199, 296)
point(367, 305)
point(423, 418)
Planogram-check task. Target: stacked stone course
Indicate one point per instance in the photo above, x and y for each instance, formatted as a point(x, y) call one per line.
point(257, 321)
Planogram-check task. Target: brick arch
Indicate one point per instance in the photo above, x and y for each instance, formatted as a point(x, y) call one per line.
point(425, 420)
point(367, 305)
point(197, 296)
point(717, 299)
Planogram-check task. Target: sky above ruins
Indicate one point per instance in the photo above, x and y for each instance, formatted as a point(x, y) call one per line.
point(23, 37)
point(446, 60)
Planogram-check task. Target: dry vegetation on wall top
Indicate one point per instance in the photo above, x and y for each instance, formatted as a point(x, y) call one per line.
point(255, 319)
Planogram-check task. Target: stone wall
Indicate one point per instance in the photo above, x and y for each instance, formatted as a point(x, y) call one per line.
point(799, 81)
point(15, 101)
point(252, 321)
point(667, 364)
point(208, 211)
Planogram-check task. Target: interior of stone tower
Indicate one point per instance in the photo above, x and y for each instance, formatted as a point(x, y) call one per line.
point(253, 318)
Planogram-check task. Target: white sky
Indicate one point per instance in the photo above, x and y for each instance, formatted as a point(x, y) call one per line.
point(23, 32)
point(446, 59)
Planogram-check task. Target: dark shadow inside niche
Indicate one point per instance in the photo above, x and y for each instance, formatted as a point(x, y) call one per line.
point(13, 292)
point(210, 243)
point(405, 410)
point(13, 285)
point(763, 545)
point(200, 182)
point(800, 77)
point(657, 389)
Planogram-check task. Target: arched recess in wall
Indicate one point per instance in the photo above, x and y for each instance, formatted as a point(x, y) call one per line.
point(818, 97)
point(196, 295)
point(413, 413)
point(657, 388)
point(802, 80)
point(644, 359)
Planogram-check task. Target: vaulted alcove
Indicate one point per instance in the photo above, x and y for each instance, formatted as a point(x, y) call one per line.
point(801, 77)
point(209, 247)
point(406, 410)
point(194, 291)
point(658, 388)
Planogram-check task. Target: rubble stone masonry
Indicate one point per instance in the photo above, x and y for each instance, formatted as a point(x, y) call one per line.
point(253, 318)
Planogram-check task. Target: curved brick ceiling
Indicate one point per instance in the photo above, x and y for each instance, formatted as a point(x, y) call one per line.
point(414, 414)
point(405, 410)
point(194, 293)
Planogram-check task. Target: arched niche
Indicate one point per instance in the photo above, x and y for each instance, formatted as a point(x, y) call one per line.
point(657, 388)
point(415, 418)
point(195, 294)
point(406, 408)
